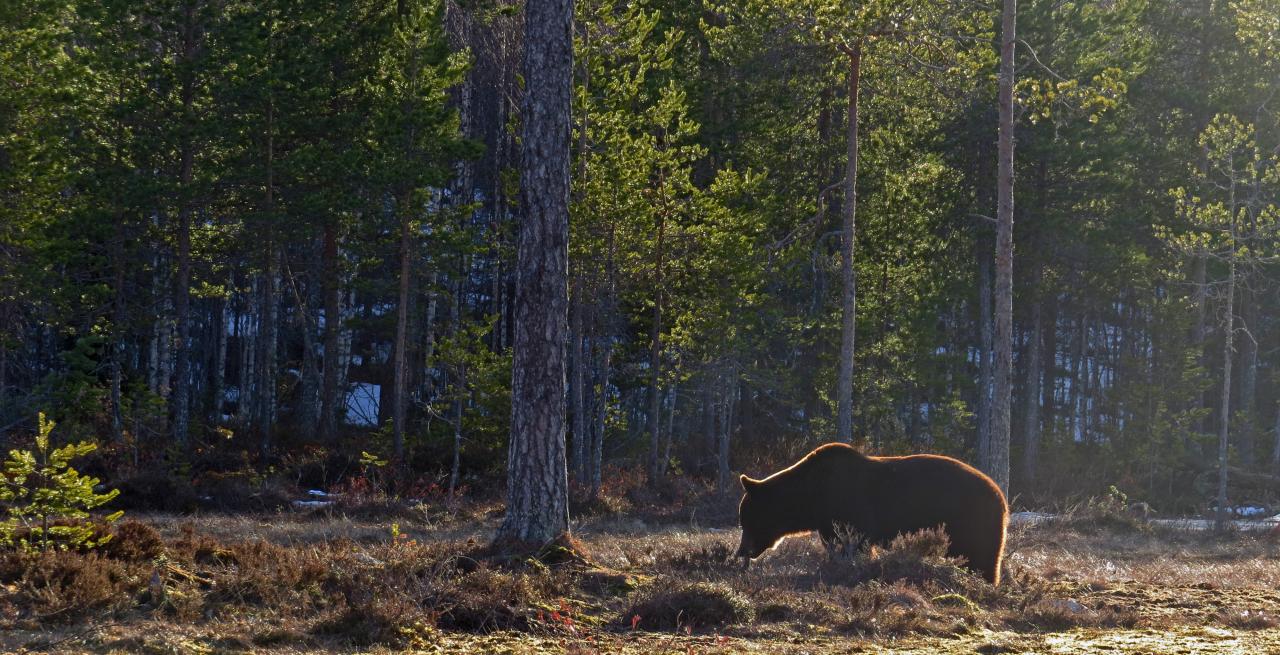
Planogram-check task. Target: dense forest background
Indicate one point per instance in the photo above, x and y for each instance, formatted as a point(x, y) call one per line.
point(271, 233)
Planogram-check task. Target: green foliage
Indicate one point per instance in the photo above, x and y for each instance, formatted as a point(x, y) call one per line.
point(48, 500)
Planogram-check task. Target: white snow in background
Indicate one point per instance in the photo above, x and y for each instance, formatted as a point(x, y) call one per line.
point(362, 404)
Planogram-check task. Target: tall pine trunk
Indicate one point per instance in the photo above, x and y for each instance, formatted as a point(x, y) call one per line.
point(849, 294)
point(537, 479)
point(996, 459)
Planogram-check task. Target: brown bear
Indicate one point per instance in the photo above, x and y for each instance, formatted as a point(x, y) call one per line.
point(879, 498)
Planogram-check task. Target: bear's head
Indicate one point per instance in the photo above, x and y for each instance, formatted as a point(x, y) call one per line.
point(759, 517)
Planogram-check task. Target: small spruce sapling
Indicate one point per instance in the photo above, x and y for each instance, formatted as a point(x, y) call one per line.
point(47, 500)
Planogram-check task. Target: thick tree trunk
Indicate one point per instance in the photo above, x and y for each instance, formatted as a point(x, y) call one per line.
point(849, 295)
point(996, 460)
point(537, 479)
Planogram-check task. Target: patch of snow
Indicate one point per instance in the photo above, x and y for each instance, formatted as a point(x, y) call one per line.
point(362, 404)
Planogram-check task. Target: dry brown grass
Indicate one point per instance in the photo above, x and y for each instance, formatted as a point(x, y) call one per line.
point(298, 582)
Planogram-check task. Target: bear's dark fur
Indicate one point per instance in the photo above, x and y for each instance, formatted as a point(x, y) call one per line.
point(879, 498)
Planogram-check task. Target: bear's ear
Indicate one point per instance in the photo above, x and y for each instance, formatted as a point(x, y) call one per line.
point(747, 483)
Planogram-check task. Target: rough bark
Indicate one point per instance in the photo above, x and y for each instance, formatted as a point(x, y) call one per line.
point(849, 295)
point(996, 459)
point(537, 486)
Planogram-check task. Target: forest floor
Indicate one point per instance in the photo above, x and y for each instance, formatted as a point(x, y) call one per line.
point(422, 581)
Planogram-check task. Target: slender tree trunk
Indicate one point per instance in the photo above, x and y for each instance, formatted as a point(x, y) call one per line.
point(655, 360)
point(429, 333)
point(249, 337)
point(1248, 373)
point(269, 317)
point(1031, 399)
point(1049, 363)
point(602, 414)
point(849, 297)
point(1224, 411)
point(1200, 330)
point(996, 460)
point(673, 395)
point(985, 347)
point(455, 469)
point(723, 474)
point(577, 393)
point(537, 486)
point(1275, 447)
point(400, 367)
point(329, 392)
point(119, 317)
point(308, 405)
point(219, 368)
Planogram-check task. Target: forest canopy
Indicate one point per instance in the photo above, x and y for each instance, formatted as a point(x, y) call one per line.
point(258, 232)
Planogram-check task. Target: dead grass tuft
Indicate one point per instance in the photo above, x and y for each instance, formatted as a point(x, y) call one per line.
point(695, 606)
point(919, 559)
point(134, 541)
